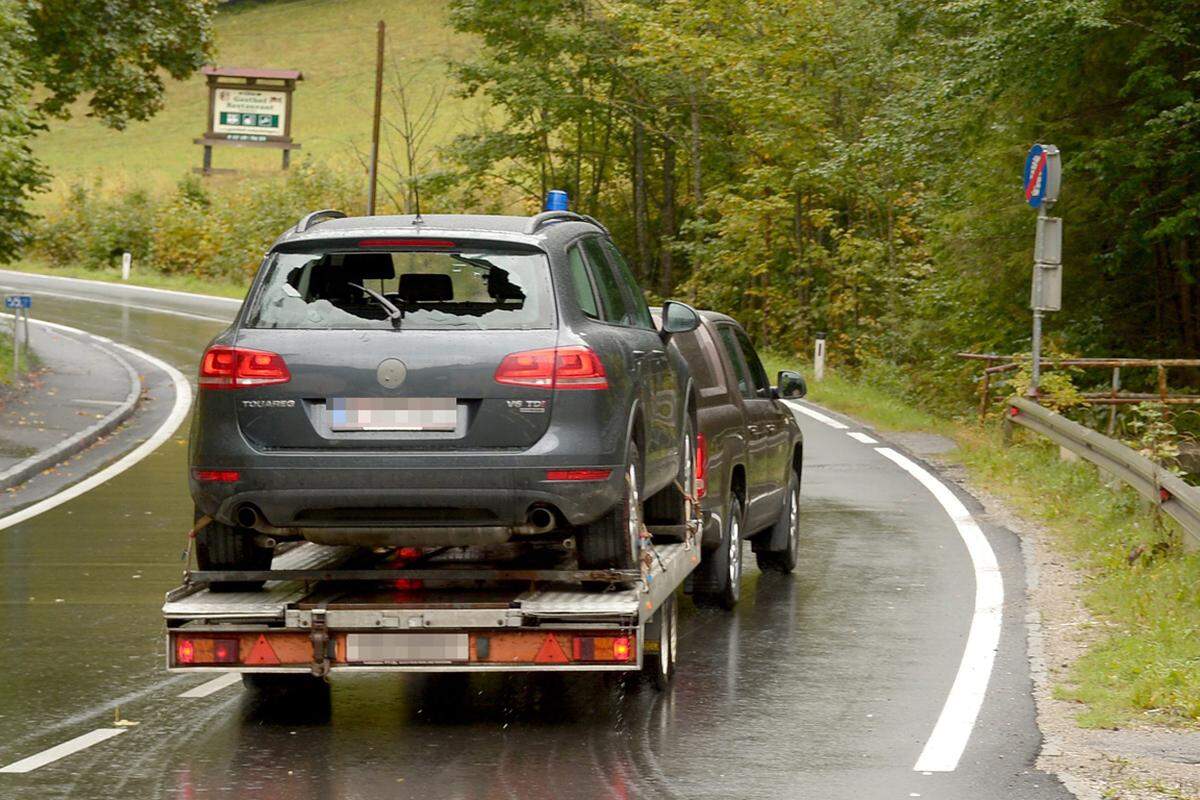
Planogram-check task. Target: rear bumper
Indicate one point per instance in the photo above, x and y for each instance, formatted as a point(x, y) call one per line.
point(416, 497)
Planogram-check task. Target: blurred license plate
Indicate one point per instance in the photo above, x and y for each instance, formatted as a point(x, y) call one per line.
point(393, 413)
point(408, 648)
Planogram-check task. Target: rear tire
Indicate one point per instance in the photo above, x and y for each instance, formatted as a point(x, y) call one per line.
point(672, 506)
point(660, 666)
point(718, 580)
point(224, 547)
point(615, 540)
point(786, 528)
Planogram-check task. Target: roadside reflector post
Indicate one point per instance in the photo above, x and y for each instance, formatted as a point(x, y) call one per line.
point(127, 262)
point(819, 358)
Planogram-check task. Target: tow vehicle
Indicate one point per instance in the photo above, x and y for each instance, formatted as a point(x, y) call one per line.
point(327, 610)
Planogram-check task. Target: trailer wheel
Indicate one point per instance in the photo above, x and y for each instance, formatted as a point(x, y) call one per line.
point(224, 547)
point(787, 528)
point(660, 666)
point(615, 540)
point(718, 580)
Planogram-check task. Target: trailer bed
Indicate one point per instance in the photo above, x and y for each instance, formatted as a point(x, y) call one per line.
point(332, 613)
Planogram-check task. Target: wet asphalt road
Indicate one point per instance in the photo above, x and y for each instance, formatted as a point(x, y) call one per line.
point(825, 684)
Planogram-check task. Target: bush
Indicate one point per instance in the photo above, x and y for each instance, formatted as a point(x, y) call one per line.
point(195, 230)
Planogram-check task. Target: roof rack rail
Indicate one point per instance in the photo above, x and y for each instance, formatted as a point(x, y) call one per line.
point(316, 217)
point(546, 217)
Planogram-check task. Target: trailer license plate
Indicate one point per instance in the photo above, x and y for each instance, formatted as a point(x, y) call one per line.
point(392, 413)
point(406, 648)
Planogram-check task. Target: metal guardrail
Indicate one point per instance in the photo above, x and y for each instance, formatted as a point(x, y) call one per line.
point(1160, 486)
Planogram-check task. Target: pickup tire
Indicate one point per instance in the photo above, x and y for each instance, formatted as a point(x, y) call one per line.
point(224, 547)
point(786, 530)
point(615, 540)
point(718, 580)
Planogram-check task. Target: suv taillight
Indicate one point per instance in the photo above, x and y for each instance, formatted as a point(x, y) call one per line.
point(553, 368)
point(235, 367)
point(701, 466)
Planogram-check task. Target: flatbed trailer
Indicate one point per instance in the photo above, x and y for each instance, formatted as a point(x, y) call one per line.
point(326, 610)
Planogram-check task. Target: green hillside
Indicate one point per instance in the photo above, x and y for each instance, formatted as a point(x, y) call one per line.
point(331, 41)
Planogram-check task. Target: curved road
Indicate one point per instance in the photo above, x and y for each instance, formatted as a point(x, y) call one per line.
point(825, 684)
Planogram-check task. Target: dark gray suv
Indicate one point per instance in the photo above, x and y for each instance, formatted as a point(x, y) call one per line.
point(446, 380)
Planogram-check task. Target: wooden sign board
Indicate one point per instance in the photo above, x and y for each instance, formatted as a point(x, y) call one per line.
point(249, 108)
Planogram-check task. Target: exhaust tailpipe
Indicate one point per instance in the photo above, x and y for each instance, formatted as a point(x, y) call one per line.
point(539, 520)
point(247, 516)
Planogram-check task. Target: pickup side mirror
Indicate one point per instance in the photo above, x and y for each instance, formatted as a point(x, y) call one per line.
point(791, 385)
point(679, 317)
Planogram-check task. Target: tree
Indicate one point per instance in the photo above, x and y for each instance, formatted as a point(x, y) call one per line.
point(64, 49)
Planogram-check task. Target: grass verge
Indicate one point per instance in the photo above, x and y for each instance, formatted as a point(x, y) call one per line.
point(1145, 666)
point(156, 280)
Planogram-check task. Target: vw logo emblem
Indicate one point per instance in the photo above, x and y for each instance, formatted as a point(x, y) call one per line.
point(391, 373)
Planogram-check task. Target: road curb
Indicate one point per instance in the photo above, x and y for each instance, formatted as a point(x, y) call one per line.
point(24, 470)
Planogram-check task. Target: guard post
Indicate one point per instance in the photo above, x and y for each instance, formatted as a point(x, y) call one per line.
point(248, 108)
point(1043, 177)
point(819, 358)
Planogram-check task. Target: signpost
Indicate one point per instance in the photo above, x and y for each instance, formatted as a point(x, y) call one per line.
point(1043, 177)
point(249, 108)
point(19, 305)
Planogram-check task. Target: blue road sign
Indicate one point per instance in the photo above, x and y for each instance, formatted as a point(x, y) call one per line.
point(18, 301)
point(1043, 174)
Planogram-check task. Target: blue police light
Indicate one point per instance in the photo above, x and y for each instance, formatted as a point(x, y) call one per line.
point(556, 200)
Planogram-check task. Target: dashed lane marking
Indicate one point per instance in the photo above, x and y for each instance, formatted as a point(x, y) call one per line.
point(818, 416)
point(213, 686)
point(953, 729)
point(862, 437)
point(62, 750)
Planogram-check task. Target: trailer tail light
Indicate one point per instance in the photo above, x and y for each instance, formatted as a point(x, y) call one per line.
point(578, 474)
point(602, 648)
point(217, 475)
point(621, 649)
point(701, 466)
point(573, 367)
point(198, 651)
point(226, 367)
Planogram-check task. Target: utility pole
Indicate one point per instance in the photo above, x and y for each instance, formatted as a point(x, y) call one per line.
point(374, 167)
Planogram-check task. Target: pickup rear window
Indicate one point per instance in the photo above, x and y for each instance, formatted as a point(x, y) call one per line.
point(425, 290)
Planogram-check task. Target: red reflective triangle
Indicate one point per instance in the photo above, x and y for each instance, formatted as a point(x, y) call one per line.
point(551, 652)
point(262, 652)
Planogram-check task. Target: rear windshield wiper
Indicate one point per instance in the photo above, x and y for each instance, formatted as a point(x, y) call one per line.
point(395, 315)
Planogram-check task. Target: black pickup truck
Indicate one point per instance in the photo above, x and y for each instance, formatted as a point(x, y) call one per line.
point(751, 456)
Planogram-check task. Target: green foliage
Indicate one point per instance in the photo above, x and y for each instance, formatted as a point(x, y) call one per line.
point(112, 51)
point(1154, 434)
point(854, 167)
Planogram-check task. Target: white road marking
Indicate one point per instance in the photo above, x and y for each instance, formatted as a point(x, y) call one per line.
point(62, 750)
point(817, 415)
point(954, 725)
point(214, 686)
point(862, 437)
point(183, 401)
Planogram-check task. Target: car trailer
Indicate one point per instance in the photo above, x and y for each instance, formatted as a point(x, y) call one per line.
point(335, 609)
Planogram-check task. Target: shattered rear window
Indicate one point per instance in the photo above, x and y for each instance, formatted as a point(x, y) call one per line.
point(416, 289)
